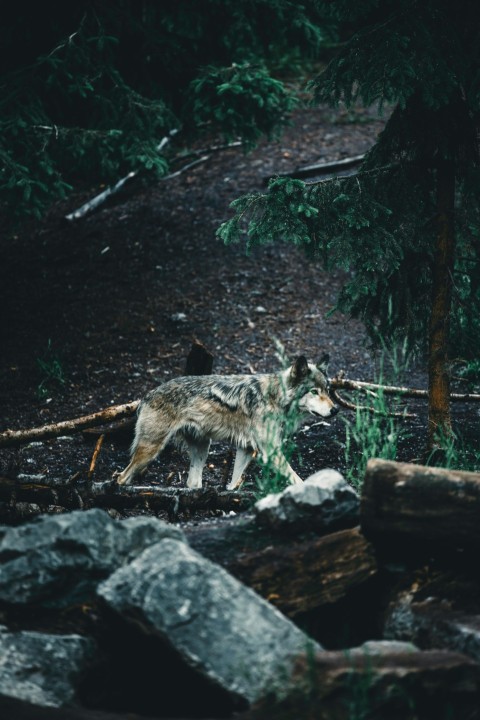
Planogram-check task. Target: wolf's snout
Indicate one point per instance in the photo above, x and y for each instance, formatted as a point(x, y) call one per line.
point(334, 410)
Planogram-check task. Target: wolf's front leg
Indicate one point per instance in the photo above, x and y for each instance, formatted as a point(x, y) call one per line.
point(278, 461)
point(198, 451)
point(242, 460)
point(270, 442)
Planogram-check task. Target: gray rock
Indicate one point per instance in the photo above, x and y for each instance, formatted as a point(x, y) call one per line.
point(43, 669)
point(324, 502)
point(218, 626)
point(59, 559)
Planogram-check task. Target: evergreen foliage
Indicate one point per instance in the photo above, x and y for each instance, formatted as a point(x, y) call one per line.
point(89, 89)
point(422, 58)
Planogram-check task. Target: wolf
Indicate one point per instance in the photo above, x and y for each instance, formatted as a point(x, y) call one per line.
point(247, 411)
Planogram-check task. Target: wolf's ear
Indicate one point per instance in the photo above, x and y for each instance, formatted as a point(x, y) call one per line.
point(299, 370)
point(323, 364)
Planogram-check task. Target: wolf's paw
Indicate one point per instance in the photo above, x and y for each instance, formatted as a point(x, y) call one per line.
point(118, 478)
point(234, 485)
point(194, 483)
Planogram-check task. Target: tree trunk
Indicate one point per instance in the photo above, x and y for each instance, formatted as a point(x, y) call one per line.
point(439, 421)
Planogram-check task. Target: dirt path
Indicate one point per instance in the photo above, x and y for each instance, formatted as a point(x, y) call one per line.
point(111, 303)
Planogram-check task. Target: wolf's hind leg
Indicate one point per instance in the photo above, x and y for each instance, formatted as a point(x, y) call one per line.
point(242, 461)
point(142, 456)
point(198, 451)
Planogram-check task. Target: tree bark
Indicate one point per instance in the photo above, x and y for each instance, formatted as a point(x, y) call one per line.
point(439, 420)
point(295, 575)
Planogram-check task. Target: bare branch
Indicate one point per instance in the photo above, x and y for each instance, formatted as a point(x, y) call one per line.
point(66, 427)
point(342, 383)
point(98, 200)
point(351, 406)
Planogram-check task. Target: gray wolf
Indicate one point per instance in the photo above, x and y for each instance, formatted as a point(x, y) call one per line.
point(247, 411)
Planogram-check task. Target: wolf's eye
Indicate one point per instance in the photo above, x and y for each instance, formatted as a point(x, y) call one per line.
point(313, 391)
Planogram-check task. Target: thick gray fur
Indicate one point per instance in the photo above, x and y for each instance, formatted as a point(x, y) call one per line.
point(247, 411)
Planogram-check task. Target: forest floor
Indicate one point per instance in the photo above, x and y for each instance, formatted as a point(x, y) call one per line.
point(98, 311)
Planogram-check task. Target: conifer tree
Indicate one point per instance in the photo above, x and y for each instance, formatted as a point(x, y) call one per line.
point(89, 89)
point(407, 226)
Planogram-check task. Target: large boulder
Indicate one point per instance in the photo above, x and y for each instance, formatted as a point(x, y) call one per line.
point(325, 502)
point(223, 630)
point(43, 669)
point(57, 560)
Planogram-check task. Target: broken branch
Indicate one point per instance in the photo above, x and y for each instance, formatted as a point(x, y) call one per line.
point(351, 406)
point(95, 454)
point(342, 383)
point(99, 199)
point(9, 438)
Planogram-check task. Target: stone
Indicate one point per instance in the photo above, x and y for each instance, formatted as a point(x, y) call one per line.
point(225, 631)
point(324, 502)
point(43, 669)
point(57, 560)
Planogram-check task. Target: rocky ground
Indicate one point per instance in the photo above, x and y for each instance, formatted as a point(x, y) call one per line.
point(98, 311)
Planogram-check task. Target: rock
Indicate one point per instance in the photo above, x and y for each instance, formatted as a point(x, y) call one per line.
point(324, 502)
point(43, 669)
point(225, 631)
point(57, 560)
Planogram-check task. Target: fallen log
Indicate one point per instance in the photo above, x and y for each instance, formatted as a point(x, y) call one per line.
point(362, 683)
point(407, 505)
point(335, 395)
point(294, 575)
point(332, 168)
point(99, 199)
point(43, 493)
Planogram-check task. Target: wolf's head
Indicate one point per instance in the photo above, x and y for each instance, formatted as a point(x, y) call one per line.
point(311, 386)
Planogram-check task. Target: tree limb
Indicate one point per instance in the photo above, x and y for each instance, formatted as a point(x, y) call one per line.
point(99, 199)
point(9, 438)
point(342, 383)
point(351, 406)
